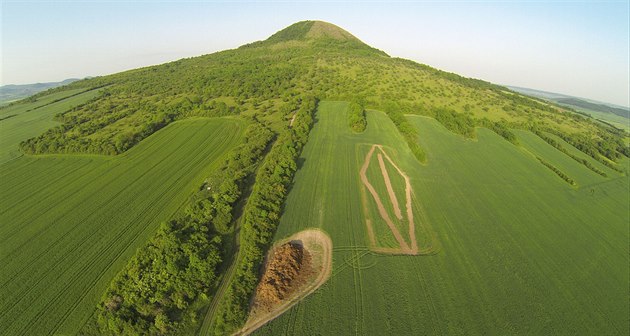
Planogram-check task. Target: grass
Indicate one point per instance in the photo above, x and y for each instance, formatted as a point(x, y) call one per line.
point(22, 121)
point(68, 223)
point(519, 250)
point(615, 120)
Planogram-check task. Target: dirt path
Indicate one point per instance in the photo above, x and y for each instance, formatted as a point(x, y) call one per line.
point(319, 245)
point(408, 205)
point(388, 185)
point(379, 204)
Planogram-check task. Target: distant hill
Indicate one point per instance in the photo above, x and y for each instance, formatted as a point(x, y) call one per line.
point(575, 102)
point(594, 106)
point(9, 93)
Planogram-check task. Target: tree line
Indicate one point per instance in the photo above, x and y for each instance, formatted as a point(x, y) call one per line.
point(393, 111)
point(261, 217)
point(165, 283)
point(356, 117)
point(558, 172)
point(561, 148)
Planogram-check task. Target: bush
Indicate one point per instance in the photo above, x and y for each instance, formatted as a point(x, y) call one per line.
point(356, 117)
point(410, 134)
point(157, 290)
point(261, 217)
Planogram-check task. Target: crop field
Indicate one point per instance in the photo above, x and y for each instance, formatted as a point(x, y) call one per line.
point(69, 223)
point(515, 249)
point(22, 121)
point(582, 175)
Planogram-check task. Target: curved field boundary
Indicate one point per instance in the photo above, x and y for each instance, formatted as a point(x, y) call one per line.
point(319, 245)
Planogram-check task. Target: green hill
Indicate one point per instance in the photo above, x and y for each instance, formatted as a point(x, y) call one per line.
point(144, 202)
point(594, 107)
point(309, 57)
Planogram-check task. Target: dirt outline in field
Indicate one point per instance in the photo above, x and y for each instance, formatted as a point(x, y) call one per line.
point(388, 185)
point(320, 246)
point(410, 249)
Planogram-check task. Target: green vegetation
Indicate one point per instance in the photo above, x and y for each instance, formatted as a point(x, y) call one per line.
point(160, 289)
point(83, 197)
point(410, 134)
point(22, 121)
point(561, 148)
point(261, 217)
point(70, 223)
point(501, 128)
point(13, 93)
point(455, 122)
point(506, 227)
point(557, 171)
point(356, 117)
point(586, 105)
point(310, 57)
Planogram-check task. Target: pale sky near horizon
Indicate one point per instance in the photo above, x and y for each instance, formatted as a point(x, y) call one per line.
point(579, 48)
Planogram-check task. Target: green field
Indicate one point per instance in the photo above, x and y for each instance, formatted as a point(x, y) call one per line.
point(519, 251)
point(582, 175)
point(22, 121)
point(617, 121)
point(69, 223)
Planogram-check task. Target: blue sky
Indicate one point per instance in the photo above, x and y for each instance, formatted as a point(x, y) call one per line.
point(577, 48)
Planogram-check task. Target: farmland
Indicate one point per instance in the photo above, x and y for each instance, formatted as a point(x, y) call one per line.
point(22, 121)
point(462, 208)
point(69, 223)
point(518, 250)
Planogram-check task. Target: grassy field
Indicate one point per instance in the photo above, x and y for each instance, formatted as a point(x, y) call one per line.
point(69, 223)
point(519, 251)
point(22, 121)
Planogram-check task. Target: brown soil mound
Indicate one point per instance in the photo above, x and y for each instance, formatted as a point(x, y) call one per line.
point(314, 257)
point(288, 269)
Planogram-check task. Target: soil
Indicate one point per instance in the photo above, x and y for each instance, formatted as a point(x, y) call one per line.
point(288, 269)
point(388, 185)
point(316, 252)
point(405, 248)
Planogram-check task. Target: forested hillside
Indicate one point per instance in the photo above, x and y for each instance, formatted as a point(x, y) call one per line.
point(310, 57)
point(194, 264)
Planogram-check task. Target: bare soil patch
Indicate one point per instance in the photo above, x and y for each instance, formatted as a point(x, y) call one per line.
point(294, 268)
point(286, 270)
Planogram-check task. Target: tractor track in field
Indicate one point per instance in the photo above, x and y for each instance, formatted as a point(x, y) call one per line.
point(405, 248)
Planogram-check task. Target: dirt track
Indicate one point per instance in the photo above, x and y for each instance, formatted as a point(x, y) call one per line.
point(404, 247)
point(319, 246)
point(408, 205)
point(388, 185)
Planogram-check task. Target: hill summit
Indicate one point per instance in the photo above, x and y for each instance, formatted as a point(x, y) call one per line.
point(312, 30)
point(269, 79)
